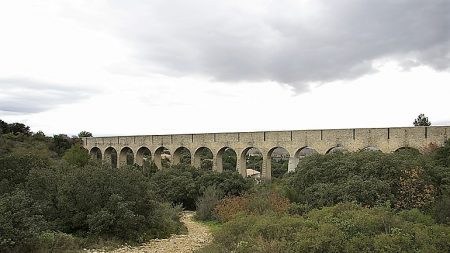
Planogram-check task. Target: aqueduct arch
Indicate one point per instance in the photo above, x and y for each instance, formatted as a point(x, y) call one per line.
point(282, 154)
point(230, 155)
point(143, 154)
point(162, 157)
point(96, 153)
point(182, 155)
point(111, 156)
point(126, 156)
point(322, 141)
point(203, 157)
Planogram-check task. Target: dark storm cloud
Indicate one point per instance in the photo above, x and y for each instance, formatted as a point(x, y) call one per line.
point(24, 96)
point(285, 41)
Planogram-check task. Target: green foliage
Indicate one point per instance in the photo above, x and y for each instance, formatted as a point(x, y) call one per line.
point(442, 155)
point(14, 170)
point(254, 161)
point(14, 128)
point(176, 185)
point(21, 221)
point(279, 167)
point(77, 156)
point(229, 160)
point(4, 128)
point(183, 184)
point(421, 120)
point(369, 178)
point(57, 242)
point(85, 134)
point(229, 183)
point(206, 204)
point(17, 128)
point(107, 203)
point(345, 227)
point(61, 143)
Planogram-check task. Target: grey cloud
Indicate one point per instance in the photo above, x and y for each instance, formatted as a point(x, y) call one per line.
point(22, 96)
point(286, 42)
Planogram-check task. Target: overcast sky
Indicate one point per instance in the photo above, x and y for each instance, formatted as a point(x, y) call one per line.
point(164, 66)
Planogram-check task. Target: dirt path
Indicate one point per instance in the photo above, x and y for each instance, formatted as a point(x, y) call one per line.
point(197, 237)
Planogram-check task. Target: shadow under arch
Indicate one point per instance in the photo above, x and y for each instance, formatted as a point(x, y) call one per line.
point(304, 152)
point(143, 154)
point(162, 158)
point(96, 153)
point(203, 158)
point(409, 150)
point(182, 155)
point(111, 157)
point(126, 156)
point(336, 150)
point(226, 159)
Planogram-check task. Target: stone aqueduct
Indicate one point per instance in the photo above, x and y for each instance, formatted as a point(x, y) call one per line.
point(322, 141)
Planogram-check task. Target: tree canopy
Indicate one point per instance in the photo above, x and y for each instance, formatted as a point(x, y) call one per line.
point(421, 120)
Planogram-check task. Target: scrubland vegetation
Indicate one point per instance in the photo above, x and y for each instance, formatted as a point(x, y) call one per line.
point(54, 198)
point(345, 202)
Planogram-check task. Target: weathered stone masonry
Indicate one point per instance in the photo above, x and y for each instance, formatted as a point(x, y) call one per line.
point(383, 139)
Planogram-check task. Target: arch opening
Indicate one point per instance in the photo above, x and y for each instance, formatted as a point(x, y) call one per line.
point(370, 149)
point(226, 159)
point(279, 161)
point(182, 156)
point(162, 158)
point(126, 156)
point(299, 155)
point(203, 158)
point(143, 156)
point(251, 163)
point(337, 150)
point(305, 151)
point(96, 153)
point(407, 150)
point(111, 157)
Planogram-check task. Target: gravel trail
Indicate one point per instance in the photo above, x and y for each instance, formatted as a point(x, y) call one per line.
point(197, 237)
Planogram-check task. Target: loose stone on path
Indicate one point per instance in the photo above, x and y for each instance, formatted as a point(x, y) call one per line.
point(197, 237)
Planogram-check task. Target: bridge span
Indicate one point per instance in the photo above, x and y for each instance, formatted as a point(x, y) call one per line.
point(295, 143)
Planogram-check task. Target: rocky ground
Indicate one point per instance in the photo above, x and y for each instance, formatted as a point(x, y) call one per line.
point(198, 236)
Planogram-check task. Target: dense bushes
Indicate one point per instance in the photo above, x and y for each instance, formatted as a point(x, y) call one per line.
point(345, 202)
point(49, 204)
point(99, 201)
point(345, 227)
point(184, 185)
point(406, 180)
point(21, 221)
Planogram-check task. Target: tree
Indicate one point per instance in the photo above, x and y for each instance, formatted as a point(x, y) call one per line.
point(61, 143)
point(17, 128)
point(85, 134)
point(4, 127)
point(77, 155)
point(422, 120)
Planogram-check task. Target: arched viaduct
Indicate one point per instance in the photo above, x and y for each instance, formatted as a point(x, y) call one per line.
point(322, 141)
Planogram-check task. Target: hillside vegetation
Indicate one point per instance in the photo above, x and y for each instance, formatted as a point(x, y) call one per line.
point(54, 198)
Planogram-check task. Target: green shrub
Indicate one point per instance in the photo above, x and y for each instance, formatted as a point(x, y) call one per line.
point(345, 227)
point(77, 156)
point(21, 222)
point(206, 204)
point(57, 242)
point(405, 179)
point(102, 202)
